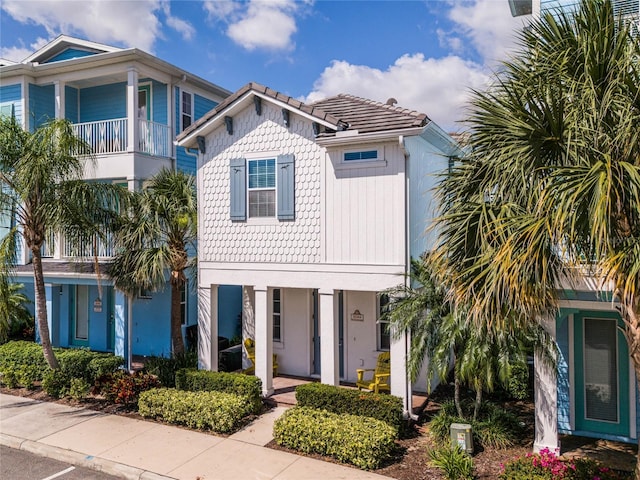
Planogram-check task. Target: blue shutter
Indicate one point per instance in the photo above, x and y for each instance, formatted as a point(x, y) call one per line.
point(238, 189)
point(285, 188)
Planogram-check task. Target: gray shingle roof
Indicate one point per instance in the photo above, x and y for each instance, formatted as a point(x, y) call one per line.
point(346, 112)
point(370, 116)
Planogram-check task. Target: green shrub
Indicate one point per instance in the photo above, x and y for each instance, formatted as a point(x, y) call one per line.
point(10, 378)
point(362, 441)
point(56, 383)
point(247, 386)
point(75, 362)
point(518, 383)
point(102, 364)
point(217, 411)
point(165, 368)
point(28, 375)
point(453, 461)
point(342, 400)
point(17, 354)
point(78, 388)
point(495, 426)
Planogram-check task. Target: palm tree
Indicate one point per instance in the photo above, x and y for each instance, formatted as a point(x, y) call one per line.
point(42, 190)
point(551, 187)
point(481, 355)
point(157, 237)
point(14, 313)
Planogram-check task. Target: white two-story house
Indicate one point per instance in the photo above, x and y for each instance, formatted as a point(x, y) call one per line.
point(313, 209)
point(129, 106)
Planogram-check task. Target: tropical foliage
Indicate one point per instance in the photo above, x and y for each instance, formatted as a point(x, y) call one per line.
point(155, 241)
point(550, 190)
point(43, 192)
point(14, 314)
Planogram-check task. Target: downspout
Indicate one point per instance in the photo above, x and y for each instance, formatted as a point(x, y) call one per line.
point(407, 266)
point(129, 331)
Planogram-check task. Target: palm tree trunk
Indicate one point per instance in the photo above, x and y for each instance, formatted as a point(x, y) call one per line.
point(456, 393)
point(177, 344)
point(41, 310)
point(476, 407)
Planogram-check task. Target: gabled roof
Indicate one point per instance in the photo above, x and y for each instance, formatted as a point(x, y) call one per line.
point(341, 113)
point(369, 116)
point(62, 43)
point(4, 61)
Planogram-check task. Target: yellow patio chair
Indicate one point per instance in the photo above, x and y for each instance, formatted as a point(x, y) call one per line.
point(379, 380)
point(250, 347)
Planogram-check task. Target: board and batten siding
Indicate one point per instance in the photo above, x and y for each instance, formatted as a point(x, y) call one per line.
point(256, 240)
point(11, 95)
point(365, 212)
point(103, 102)
point(426, 163)
point(42, 105)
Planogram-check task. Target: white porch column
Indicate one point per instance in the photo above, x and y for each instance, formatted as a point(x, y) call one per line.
point(400, 382)
point(132, 109)
point(264, 340)
point(119, 317)
point(545, 392)
point(208, 328)
point(329, 353)
point(59, 92)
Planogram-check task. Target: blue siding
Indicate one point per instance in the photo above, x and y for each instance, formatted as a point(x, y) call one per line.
point(564, 404)
point(159, 102)
point(71, 104)
point(42, 105)
point(11, 95)
point(202, 106)
point(103, 102)
point(176, 109)
point(68, 54)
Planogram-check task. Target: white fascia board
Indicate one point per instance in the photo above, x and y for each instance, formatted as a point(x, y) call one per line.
point(51, 278)
point(72, 41)
point(441, 140)
point(239, 104)
point(370, 137)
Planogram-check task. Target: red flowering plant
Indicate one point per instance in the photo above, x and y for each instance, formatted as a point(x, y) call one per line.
point(124, 388)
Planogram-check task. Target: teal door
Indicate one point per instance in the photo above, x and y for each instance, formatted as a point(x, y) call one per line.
point(79, 311)
point(601, 374)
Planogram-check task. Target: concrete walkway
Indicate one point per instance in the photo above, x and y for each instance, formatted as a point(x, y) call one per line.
point(145, 450)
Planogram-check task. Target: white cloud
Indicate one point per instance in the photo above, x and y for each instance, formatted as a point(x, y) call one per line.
point(489, 25)
point(184, 28)
point(258, 24)
point(129, 23)
point(437, 87)
point(19, 53)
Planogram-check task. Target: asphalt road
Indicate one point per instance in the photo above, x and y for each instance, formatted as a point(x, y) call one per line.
point(21, 465)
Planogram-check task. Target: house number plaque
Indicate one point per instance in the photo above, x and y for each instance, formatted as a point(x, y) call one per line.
point(356, 316)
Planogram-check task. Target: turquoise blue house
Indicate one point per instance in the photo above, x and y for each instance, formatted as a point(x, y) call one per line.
point(593, 392)
point(129, 106)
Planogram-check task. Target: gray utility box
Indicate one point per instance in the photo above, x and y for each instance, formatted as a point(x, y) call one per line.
point(462, 436)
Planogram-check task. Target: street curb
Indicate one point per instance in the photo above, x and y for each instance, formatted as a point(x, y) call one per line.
point(109, 467)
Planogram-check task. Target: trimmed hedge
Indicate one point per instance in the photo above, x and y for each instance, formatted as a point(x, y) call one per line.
point(247, 386)
point(217, 411)
point(387, 408)
point(362, 441)
point(25, 362)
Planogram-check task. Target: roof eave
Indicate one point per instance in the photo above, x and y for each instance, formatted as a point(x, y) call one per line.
point(368, 137)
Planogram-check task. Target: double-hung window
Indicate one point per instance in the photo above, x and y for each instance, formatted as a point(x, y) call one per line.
point(262, 188)
point(277, 315)
point(384, 338)
point(186, 109)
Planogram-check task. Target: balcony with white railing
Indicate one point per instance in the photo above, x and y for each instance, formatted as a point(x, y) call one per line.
point(56, 247)
point(112, 136)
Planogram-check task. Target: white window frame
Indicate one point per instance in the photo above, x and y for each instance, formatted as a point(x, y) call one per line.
point(274, 189)
point(378, 161)
point(184, 303)
point(182, 112)
point(380, 325)
point(279, 314)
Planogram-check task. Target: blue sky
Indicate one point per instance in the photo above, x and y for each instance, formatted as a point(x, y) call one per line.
point(426, 54)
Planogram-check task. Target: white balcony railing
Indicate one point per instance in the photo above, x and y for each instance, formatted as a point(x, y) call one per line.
point(154, 138)
point(104, 136)
point(110, 136)
point(56, 247)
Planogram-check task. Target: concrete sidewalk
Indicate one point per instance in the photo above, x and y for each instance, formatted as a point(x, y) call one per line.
point(137, 449)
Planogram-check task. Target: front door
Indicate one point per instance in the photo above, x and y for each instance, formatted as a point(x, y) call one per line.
point(316, 333)
point(79, 315)
point(111, 319)
point(601, 374)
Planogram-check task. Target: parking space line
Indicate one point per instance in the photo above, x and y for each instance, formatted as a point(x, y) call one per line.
point(59, 474)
